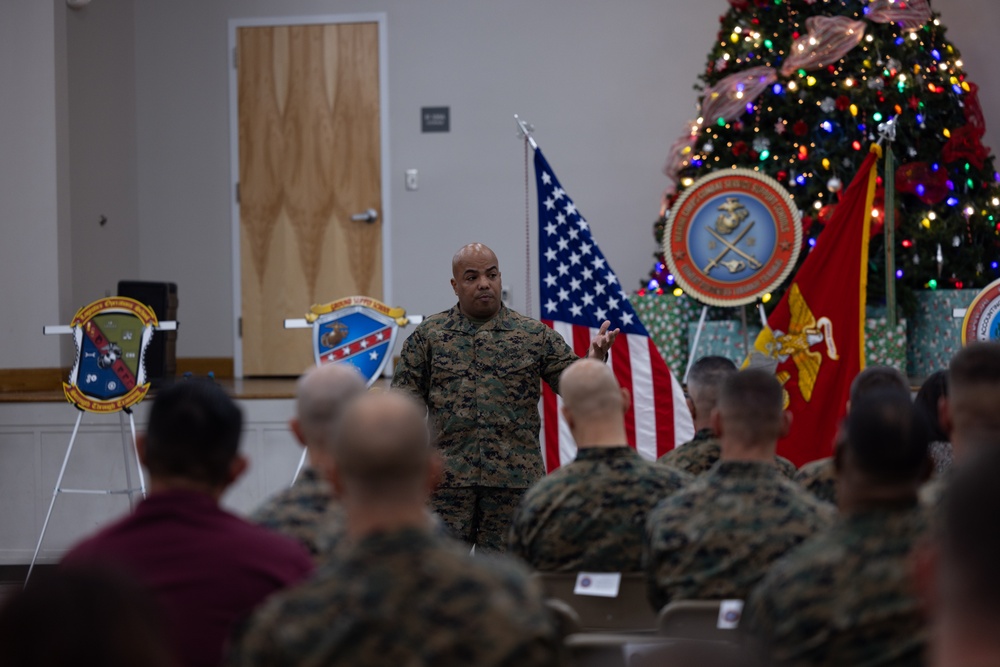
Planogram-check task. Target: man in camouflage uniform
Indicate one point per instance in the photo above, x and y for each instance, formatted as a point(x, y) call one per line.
point(970, 413)
point(477, 368)
point(397, 593)
point(698, 455)
point(307, 509)
point(958, 572)
point(845, 596)
point(590, 514)
point(818, 477)
point(716, 537)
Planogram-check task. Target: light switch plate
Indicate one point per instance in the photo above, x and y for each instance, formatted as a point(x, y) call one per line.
point(411, 180)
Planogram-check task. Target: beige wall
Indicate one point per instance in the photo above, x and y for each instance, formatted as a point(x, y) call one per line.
point(122, 110)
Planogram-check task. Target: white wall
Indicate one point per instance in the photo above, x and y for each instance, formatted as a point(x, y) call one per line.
point(102, 80)
point(29, 184)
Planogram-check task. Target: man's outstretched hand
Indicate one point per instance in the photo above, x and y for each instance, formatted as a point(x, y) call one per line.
point(601, 345)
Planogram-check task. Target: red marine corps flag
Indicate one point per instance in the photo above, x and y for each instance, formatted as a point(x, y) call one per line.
point(816, 332)
point(579, 291)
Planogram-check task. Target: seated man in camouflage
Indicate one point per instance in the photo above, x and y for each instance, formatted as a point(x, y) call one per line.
point(958, 571)
point(716, 537)
point(397, 593)
point(970, 414)
point(590, 514)
point(818, 477)
point(307, 508)
point(698, 455)
point(845, 597)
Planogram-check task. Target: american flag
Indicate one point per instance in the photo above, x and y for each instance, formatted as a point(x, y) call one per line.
point(578, 292)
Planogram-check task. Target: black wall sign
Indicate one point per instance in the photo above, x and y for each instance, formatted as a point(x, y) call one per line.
point(435, 119)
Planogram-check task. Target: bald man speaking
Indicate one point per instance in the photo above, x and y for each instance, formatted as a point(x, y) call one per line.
point(477, 368)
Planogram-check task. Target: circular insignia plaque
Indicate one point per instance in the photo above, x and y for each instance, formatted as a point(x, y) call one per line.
point(982, 318)
point(732, 237)
point(111, 337)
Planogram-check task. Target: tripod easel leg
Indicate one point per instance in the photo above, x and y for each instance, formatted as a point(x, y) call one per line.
point(128, 462)
point(55, 492)
point(302, 462)
point(135, 450)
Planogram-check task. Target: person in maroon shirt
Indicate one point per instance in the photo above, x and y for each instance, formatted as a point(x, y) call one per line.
point(207, 568)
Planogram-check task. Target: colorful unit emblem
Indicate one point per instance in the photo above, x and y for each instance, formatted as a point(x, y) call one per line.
point(357, 330)
point(111, 337)
point(982, 318)
point(732, 237)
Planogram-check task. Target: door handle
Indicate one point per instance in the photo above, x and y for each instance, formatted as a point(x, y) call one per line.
point(369, 216)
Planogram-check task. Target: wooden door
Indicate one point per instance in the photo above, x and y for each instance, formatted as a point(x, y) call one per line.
point(309, 147)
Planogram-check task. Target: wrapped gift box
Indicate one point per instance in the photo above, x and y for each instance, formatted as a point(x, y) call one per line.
point(935, 334)
point(666, 318)
point(722, 339)
point(885, 345)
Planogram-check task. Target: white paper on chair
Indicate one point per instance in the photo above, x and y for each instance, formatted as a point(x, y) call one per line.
point(730, 612)
point(598, 584)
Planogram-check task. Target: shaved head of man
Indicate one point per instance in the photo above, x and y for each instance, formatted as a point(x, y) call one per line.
point(476, 280)
point(749, 417)
point(320, 395)
point(594, 404)
point(970, 411)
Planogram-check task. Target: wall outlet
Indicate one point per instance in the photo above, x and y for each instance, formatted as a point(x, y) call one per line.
point(411, 180)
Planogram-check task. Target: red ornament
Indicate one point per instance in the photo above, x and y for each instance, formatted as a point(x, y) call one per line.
point(800, 128)
point(782, 176)
point(754, 155)
point(739, 148)
point(843, 103)
point(914, 102)
point(966, 144)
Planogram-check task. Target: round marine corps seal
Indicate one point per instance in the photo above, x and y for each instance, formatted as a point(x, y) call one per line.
point(982, 317)
point(732, 237)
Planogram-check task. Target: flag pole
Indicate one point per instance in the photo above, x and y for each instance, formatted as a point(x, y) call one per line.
point(526, 130)
point(888, 132)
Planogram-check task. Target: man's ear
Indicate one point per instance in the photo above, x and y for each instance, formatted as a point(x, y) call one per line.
point(690, 403)
point(838, 456)
point(568, 416)
point(237, 467)
point(786, 423)
point(715, 422)
point(454, 286)
point(331, 473)
point(435, 471)
point(295, 426)
point(626, 399)
point(944, 416)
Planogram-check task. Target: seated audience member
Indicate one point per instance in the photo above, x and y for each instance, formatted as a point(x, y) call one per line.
point(207, 568)
point(845, 597)
point(591, 513)
point(397, 593)
point(716, 537)
point(817, 477)
point(70, 618)
point(960, 580)
point(698, 455)
point(303, 511)
point(970, 413)
point(928, 401)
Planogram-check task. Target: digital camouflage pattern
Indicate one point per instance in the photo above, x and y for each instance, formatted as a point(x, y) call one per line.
point(307, 512)
point(819, 478)
point(479, 516)
point(481, 386)
point(844, 597)
point(716, 537)
point(590, 515)
point(406, 597)
point(698, 455)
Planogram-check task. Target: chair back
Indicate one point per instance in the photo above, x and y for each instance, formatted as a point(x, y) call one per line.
point(700, 619)
point(628, 611)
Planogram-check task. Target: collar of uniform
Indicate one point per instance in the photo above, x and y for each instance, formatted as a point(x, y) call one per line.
point(703, 434)
point(878, 516)
point(605, 453)
point(457, 321)
point(745, 469)
point(393, 541)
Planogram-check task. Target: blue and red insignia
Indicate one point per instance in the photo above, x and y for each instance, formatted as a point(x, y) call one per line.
point(356, 330)
point(111, 337)
point(732, 237)
point(982, 317)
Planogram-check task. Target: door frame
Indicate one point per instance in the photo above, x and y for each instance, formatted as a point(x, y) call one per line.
point(234, 152)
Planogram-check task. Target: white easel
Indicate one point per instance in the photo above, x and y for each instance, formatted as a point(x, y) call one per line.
point(126, 433)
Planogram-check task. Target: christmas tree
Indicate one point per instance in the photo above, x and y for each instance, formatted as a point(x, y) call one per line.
point(798, 90)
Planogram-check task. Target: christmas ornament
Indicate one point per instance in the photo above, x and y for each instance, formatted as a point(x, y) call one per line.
point(828, 105)
point(834, 184)
point(761, 144)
